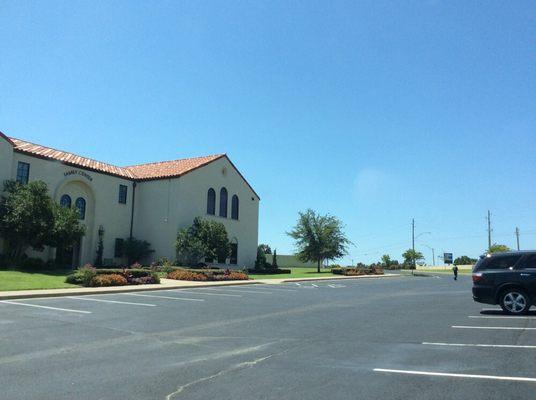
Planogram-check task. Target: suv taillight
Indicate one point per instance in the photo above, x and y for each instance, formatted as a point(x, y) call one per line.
point(477, 277)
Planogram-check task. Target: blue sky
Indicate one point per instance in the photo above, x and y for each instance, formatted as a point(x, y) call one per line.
point(374, 111)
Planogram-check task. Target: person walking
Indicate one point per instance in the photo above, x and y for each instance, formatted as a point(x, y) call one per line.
point(455, 270)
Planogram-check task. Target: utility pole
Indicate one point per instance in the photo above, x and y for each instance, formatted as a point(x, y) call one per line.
point(517, 237)
point(413, 241)
point(489, 230)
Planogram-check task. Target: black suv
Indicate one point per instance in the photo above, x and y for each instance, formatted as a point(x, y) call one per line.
point(507, 279)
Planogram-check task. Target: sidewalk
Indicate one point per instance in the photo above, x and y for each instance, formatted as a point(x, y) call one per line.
point(165, 284)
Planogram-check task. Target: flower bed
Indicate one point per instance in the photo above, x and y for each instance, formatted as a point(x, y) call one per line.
point(357, 271)
point(91, 276)
point(207, 275)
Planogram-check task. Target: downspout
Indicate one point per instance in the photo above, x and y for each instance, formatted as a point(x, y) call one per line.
point(132, 211)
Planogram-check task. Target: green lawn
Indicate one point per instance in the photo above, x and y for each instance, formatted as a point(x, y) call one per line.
point(18, 280)
point(296, 273)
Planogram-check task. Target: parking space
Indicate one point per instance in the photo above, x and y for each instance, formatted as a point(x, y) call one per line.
point(401, 338)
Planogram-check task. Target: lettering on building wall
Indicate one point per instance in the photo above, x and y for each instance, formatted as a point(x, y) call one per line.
point(78, 172)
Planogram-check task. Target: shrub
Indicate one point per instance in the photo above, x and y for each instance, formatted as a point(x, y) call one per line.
point(32, 263)
point(184, 275)
point(82, 275)
point(232, 276)
point(375, 270)
point(108, 280)
point(136, 265)
point(144, 280)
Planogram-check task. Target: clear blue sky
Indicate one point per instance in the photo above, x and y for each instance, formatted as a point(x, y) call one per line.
point(376, 112)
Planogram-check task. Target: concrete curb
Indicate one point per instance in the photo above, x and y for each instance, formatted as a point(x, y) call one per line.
point(43, 293)
point(28, 294)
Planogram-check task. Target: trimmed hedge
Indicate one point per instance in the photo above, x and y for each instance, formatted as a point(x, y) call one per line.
point(183, 275)
point(269, 271)
point(357, 271)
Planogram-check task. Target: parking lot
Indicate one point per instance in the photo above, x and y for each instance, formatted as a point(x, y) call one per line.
point(394, 338)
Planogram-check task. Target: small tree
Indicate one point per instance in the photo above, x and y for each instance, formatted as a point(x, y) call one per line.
point(67, 229)
point(204, 238)
point(100, 253)
point(319, 237)
point(498, 248)
point(136, 250)
point(386, 260)
point(274, 259)
point(260, 262)
point(411, 257)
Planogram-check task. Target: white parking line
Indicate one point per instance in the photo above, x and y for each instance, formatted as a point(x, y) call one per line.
point(501, 317)
point(336, 286)
point(46, 307)
point(313, 285)
point(494, 377)
point(238, 290)
point(163, 297)
point(513, 328)
point(111, 301)
point(508, 346)
point(190, 291)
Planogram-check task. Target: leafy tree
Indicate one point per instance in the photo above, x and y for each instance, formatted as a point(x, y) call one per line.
point(260, 262)
point(464, 260)
point(265, 248)
point(274, 259)
point(386, 260)
point(67, 229)
point(204, 238)
point(29, 218)
point(319, 237)
point(136, 250)
point(411, 257)
point(498, 248)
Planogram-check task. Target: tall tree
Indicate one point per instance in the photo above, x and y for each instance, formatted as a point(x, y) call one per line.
point(465, 260)
point(411, 257)
point(386, 260)
point(498, 248)
point(319, 237)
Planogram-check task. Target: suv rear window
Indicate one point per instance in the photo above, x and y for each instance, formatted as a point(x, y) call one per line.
point(497, 262)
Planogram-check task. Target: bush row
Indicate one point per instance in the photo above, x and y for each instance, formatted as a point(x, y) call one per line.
point(357, 271)
point(90, 276)
point(207, 275)
point(269, 271)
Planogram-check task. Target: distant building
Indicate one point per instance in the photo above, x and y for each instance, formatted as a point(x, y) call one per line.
point(148, 201)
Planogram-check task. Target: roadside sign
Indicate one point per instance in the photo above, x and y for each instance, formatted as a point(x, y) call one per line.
point(447, 258)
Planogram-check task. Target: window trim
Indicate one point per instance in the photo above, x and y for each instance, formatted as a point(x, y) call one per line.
point(211, 202)
point(233, 216)
point(123, 199)
point(23, 172)
point(66, 196)
point(224, 195)
point(81, 211)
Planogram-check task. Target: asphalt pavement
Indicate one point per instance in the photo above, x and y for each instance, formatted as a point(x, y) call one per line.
point(396, 338)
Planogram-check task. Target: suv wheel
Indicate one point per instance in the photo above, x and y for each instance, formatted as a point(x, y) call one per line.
point(514, 301)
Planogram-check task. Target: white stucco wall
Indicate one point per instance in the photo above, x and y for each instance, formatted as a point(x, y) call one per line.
point(101, 193)
point(165, 206)
point(162, 207)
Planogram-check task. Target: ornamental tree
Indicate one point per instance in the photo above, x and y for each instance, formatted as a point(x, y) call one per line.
point(204, 238)
point(319, 237)
point(411, 257)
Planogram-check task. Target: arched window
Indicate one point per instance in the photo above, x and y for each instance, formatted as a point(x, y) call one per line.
point(80, 205)
point(223, 202)
point(211, 202)
point(234, 207)
point(65, 201)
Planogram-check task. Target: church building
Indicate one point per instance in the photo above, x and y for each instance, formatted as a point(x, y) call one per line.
point(146, 201)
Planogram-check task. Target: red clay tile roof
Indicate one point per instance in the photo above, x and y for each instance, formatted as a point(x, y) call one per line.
point(141, 172)
point(168, 169)
point(32, 149)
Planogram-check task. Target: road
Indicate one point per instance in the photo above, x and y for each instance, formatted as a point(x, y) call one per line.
point(393, 338)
